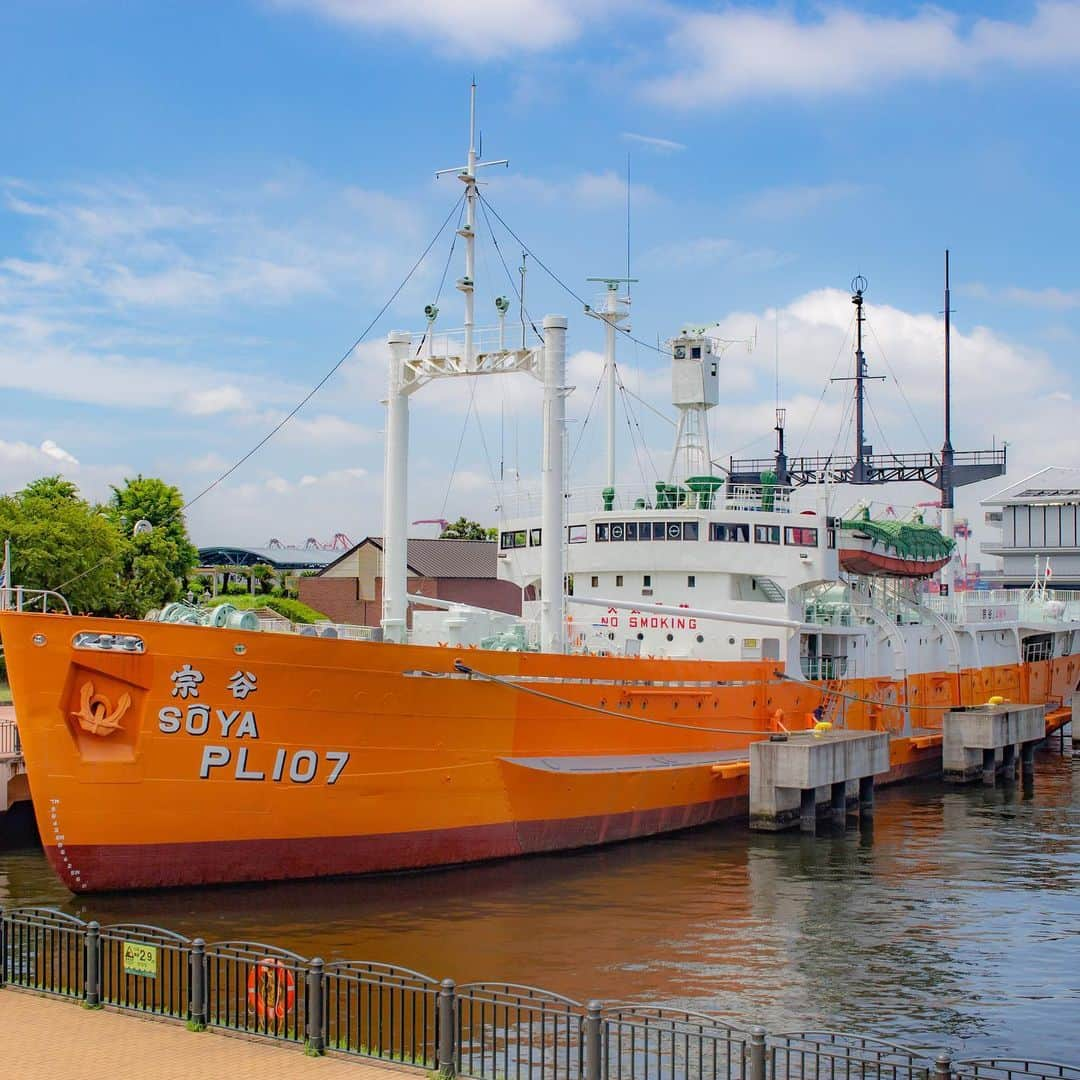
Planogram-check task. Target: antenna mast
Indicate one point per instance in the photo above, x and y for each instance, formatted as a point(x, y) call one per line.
point(616, 309)
point(862, 470)
point(947, 489)
point(467, 175)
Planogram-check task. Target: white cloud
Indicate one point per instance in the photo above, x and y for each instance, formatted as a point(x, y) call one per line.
point(742, 52)
point(21, 462)
point(57, 453)
point(709, 250)
point(219, 399)
point(783, 202)
point(586, 190)
point(480, 28)
point(653, 142)
point(1052, 299)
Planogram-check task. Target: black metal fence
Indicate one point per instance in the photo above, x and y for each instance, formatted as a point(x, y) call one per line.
point(490, 1031)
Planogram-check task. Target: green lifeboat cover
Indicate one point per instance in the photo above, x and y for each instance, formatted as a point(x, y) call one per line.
point(912, 539)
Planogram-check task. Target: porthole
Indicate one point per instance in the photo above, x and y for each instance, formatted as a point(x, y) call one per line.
point(641, 636)
point(671, 637)
point(700, 638)
point(731, 641)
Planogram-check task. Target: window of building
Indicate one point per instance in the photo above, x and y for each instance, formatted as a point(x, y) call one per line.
point(509, 540)
point(646, 580)
point(800, 537)
point(595, 581)
point(577, 534)
point(766, 534)
point(691, 581)
point(731, 534)
point(618, 580)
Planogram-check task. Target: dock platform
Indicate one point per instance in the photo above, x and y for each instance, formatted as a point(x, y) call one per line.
point(793, 779)
point(982, 741)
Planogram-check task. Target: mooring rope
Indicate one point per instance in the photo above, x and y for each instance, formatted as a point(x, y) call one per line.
point(461, 666)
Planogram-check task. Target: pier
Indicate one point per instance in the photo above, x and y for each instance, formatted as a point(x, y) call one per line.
point(797, 778)
point(980, 742)
point(14, 786)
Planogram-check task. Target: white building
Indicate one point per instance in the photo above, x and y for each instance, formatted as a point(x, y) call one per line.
point(1039, 518)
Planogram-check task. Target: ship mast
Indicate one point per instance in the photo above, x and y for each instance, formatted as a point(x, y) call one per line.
point(862, 471)
point(616, 310)
point(465, 353)
point(946, 483)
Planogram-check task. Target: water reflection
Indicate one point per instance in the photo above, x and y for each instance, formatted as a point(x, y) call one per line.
point(954, 918)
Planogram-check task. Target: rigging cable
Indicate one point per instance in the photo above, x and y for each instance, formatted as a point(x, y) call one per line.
point(825, 390)
point(899, 384)
point(303, 401)
point(559, 281)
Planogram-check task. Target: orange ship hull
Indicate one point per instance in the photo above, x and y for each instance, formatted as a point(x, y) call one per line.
point(298, 757)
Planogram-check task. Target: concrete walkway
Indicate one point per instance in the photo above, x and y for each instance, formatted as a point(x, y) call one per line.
point(47, 1039)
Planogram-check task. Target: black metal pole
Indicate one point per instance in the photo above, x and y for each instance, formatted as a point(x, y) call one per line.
point(859, 476)
point(946, 485)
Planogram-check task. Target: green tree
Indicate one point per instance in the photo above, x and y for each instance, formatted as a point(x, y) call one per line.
point(463, 529)
point(264, 576)
point(59, 541)
point(154, 563)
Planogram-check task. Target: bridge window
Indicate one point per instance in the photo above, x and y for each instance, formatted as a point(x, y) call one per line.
point(577, 534)
point(766, 534)
point(509, 540)
point(800, 537)
point(534, 538)
point(731, 534)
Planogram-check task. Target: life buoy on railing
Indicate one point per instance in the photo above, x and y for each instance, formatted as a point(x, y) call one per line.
point(271, 989)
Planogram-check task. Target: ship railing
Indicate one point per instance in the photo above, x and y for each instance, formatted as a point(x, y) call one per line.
point(146, 969)
point(759, 498)
point(382, 1011)
point(675, 498)
point(257, 989)
point(18, 598)
point(484, 1030)
point(641, 1042)
point(831, 1055)
point(507, 1030)
point(826, 613)
point(823, 667)
point(451, 343)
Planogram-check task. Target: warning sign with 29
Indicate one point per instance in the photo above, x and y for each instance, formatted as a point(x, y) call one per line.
point(140, 959)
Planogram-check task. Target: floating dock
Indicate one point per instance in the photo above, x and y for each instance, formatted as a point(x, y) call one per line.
point(798, 778)
point(983, 741)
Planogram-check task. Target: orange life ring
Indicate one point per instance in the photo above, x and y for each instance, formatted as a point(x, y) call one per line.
point(271, 989)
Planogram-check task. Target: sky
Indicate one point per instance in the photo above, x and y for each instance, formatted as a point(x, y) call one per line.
point(203, 206)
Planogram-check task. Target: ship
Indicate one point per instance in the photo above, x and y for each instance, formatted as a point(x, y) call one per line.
point(663, 631)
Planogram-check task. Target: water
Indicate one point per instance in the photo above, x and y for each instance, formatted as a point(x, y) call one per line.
point(955, 920)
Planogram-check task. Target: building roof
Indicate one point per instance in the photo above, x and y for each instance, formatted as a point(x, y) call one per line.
point(280, 558)
point(442, 558)
point(1054, 484)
